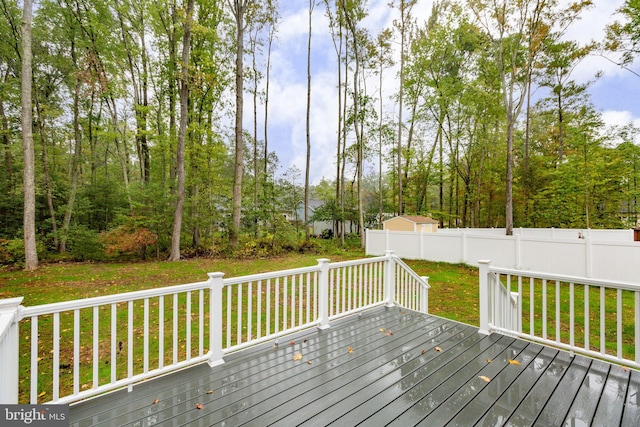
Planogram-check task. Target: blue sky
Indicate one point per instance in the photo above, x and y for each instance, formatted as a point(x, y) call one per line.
point(615, 94)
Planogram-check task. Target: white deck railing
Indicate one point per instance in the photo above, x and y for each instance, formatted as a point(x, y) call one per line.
point(65, 352)
point(597, 318)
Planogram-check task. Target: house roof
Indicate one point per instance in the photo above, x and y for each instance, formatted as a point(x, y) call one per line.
point(418, 219)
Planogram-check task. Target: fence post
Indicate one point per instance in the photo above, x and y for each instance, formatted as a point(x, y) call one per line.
point(424, 296)
point(9, 349)
point(323, 293)
point(588, 257)
point(390, 279)
point(463, 247)
point(215, 320)
point(518, 250)
point(484, 296)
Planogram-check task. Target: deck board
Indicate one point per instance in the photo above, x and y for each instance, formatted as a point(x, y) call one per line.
point(404, 368)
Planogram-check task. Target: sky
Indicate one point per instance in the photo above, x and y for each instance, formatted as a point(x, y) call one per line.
point(615, 94)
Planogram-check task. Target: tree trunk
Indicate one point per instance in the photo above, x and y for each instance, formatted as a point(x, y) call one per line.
point(308, 129)
point(29, 220)
point(182, 136)
point(6, 145)
point(47, 176)
point(238, 7)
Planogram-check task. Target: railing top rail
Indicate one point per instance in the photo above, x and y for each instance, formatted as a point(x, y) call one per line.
point(566, 278)
point(269, 275)
point(58, 307)
point(357, 262)
point(411, 272)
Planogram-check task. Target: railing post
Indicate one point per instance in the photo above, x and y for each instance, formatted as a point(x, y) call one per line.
point(323, 293)
point(484, 296)
point(390, 279)
point(424, 296)
point(215, 320)
point(9, 349)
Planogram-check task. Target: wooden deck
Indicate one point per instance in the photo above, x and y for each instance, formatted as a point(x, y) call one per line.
point(384, 366)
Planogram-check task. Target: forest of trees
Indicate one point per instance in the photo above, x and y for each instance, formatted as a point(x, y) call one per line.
point(122, 128)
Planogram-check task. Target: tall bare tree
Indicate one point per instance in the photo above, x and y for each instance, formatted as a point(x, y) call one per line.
point(308, 126)
point(238, 8)
point(182, 135)
point(402, 25)
point(29, 221)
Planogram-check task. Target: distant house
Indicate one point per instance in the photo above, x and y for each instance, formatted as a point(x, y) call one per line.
point(316, 227)
point(411, 223)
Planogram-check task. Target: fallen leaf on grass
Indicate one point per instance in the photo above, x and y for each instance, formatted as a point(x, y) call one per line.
point(438, 349)
point(350, 349)
point(199, 406)
point(156, 401)
point(42, 394)
point(513, 362)
point(487, 379)
point(297, 356)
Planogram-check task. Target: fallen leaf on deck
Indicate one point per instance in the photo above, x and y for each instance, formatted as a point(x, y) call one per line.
point(210, 392)
point(626, 369)
point(291, 342)
point(297, 356)
point(389, 333)
point(488, 360)
point(422, 352)
point(199, 406)
point(487, 379)
point(309, 362)
point(350, 349)
point(438, 349)
point(381, 329)
point(155, 401)
point(513, 362)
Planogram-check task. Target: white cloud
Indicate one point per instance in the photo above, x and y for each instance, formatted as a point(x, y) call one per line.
point(619, 118)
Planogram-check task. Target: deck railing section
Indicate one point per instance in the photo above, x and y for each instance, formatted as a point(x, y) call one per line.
point(597, 318)
point(78, 349)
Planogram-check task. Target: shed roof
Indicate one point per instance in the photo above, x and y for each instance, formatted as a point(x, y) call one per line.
point(418, 219)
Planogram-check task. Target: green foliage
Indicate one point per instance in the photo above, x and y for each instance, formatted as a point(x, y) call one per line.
point(12, 252)
point(84, 244)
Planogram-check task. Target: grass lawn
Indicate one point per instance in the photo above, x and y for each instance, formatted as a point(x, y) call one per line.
point(453, 291)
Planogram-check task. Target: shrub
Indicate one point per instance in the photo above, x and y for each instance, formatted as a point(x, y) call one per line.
point(11, 252)
point(128, 240)
point(84, 244)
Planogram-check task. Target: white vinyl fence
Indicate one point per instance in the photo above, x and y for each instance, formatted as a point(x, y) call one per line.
point(590, 256)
